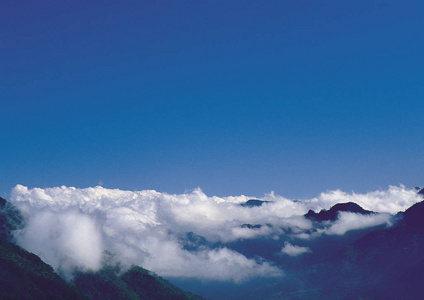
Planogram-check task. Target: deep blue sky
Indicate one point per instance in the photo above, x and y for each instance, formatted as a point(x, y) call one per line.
point(235, 97)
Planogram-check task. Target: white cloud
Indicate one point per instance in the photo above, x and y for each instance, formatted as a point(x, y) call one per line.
point(70, 227)
point(348, 221)
point(67, 239)
point(251, 233)
point(393, 200)
point(217, 264)
point(293, 250)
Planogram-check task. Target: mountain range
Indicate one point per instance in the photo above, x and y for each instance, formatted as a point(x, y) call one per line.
point(387, 263)
point(384, 263)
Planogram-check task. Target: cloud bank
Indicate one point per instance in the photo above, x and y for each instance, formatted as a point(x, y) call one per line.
point(393, 200)
point(73, 228)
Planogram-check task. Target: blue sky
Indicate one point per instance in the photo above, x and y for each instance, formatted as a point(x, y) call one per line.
point(235, 97)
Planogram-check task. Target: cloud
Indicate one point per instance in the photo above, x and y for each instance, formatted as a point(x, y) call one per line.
point(251, 233)
point(219, 264)
point(348, 221)
point(72, 228)
point(293, 250)
point(67, 239)
point(393, 200)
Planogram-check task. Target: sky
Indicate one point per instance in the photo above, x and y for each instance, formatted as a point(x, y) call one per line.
point(234, 97)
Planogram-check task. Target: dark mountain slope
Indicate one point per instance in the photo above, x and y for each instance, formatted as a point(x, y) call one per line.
point(149, 286)
point(24, 275)
point(385, 264)
point(332, 213)
point(136, 283)
point(104, 284)
point(10, 219)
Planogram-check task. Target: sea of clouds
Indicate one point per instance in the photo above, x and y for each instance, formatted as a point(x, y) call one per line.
point(78, 229)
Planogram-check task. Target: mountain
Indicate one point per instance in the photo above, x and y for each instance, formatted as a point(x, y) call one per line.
point(384, 264)
point(150, 286)
point(332, 213)
point(10, 219)
point(253, 203)
point(23, 275)
point(136, 283)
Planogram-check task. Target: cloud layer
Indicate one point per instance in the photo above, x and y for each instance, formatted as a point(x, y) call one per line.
point(73, 228)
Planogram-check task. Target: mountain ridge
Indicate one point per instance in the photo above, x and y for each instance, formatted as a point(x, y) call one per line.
point(373, 265)
point(332, 213)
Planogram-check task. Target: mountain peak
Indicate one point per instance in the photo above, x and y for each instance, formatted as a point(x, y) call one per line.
point(253, 203)
point(415, 214)
point(332, 213)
